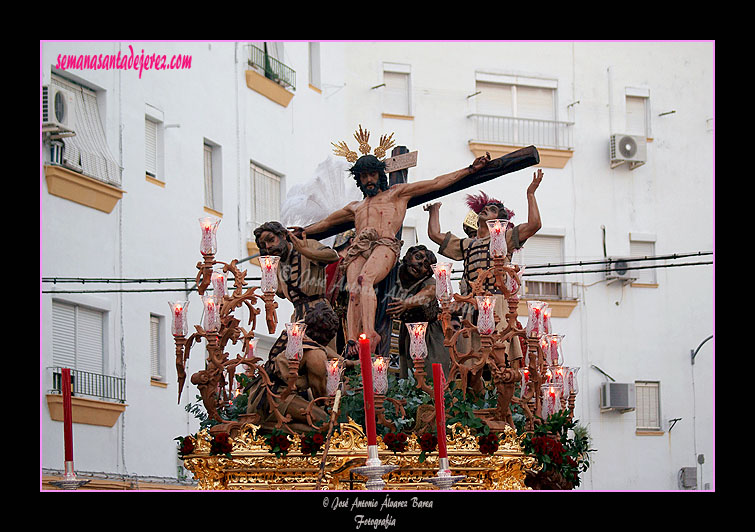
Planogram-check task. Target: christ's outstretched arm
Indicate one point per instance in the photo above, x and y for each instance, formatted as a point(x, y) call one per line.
point(410, 190)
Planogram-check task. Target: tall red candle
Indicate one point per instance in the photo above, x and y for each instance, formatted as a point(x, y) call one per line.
point(365, 361)
point(67, 415)
point(440, 409)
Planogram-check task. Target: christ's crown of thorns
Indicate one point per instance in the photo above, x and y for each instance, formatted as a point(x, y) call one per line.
point(362, 136)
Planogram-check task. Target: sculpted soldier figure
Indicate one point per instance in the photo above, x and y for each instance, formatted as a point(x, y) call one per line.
point(322, 324)
point(377, 219)
point(415, 301)
point(301, 270)
point(475, 254)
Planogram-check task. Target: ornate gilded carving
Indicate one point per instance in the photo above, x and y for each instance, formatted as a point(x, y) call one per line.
point(252, 466)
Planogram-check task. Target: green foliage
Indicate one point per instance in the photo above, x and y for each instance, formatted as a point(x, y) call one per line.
point(461, 410)
point(228, 412)
point(561, 445)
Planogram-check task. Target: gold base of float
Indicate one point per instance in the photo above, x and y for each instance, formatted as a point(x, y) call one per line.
point(253, 467)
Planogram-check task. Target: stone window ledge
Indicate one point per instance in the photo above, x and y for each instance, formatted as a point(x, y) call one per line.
point(85, 190)
point(85, 410)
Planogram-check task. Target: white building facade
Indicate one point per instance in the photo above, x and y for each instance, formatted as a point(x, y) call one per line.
point(156, 148)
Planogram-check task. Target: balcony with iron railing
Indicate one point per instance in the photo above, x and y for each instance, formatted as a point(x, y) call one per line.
point(271, 67)
point(85, 383)
point(503, 134)
point(96, 399)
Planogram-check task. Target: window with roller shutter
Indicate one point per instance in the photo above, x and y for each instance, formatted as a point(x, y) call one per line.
point(648, 409)
point(266, 195)
point(150, 147)
point(77, 337)
point(157, 365)
point(538, 250)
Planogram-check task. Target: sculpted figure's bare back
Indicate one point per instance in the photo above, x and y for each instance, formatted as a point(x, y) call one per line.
point(377, 219)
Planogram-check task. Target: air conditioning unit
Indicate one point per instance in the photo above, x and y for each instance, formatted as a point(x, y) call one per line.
point(617, 269)
point(688, 478)
point(58, 109)
point(630, 149)
point(617, 396)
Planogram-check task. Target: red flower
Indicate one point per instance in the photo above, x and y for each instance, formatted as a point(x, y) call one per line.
point(220, 444)
point(186, 446)
point(281, 441)
point(428, 442)
point(395, 442)
point(311, 443)
point(552, 448)
point(488, 443)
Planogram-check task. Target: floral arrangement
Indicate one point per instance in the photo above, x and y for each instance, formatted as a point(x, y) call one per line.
point(311, 442)
point(558, 452)
point(186, 445)
point(395, 441)
point(278, 442)
point(428, 442)
point(221, 445)
point(488, 443)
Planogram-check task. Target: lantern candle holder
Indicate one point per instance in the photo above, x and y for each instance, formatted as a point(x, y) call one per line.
point(443, 289)
point(219, 282)
point(535, 318)
point(485, 316)
point(269, 267)
point(295, 333)
point(333, 378)
point(551, 399)
point(551, 346)
point(208, 245)
point(497, 229)
point(179, 321)
point(380, 375)
point(211, 319)
point(571, 386)
point(547, 319)
point(417, 344)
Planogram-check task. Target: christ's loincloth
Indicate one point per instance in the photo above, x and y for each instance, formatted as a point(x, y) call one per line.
point(365, 242)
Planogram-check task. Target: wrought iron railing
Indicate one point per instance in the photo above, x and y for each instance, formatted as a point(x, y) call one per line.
point(104, 387)
point(271, 67)
point(523, 131)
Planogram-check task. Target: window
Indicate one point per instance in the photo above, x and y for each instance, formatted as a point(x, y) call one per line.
point(397, 90)
point(156, 348)
point(637, 112)
point(77, 337)
point(648, 403)
point(213, 190)
point(542, 249)
point(518, 111)
point(86, 152)
point(639, 247)
point(151, 133)
point(266, 195)
point(314, 65)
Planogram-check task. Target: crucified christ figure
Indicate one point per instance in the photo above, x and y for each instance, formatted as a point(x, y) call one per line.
point(377, 219)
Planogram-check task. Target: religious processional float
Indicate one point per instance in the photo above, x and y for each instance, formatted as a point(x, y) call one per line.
point(373, 431)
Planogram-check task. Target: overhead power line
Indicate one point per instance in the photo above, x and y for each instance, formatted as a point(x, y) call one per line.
point(527, 273)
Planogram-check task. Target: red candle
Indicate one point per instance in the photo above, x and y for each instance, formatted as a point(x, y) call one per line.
point(440, 409)
point(67, 415)
point(365, 361)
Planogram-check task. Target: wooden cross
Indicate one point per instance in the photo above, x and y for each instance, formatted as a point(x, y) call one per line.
point(401, 159)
